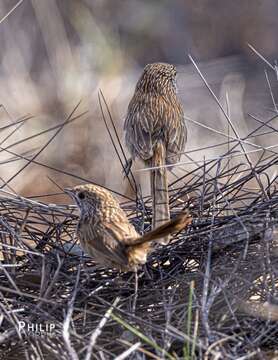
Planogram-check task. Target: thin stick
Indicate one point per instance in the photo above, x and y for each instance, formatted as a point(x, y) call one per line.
point(11, 11)
point(95, 334)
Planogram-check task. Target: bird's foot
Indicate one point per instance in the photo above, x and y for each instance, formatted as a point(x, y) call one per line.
point(127, 167)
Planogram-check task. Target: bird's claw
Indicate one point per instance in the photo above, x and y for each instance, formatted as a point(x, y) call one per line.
point(127, 167)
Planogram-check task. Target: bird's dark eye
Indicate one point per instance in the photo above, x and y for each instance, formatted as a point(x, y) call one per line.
point(81, 195)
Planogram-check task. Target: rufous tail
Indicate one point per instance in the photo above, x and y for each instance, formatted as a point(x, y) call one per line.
point(159, 190)
point(177, 224)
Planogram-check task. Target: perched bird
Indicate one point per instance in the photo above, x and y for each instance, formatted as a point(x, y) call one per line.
point(106, 234)
point(155, 131)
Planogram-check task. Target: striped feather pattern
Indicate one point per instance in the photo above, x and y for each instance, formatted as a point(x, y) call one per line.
point(155, 125)
point(105, 232)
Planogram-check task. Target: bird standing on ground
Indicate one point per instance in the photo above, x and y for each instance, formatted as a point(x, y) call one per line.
point(106, 234)
point(155, 131)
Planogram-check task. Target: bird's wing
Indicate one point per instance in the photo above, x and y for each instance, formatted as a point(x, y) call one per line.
point(114, 249)
point(120, 228)
point(118, 231)
point(117, 236)
point(106, 244)
point(177, 136)
point(139, 126)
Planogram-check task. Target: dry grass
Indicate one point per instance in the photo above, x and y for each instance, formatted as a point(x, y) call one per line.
point(210, 294)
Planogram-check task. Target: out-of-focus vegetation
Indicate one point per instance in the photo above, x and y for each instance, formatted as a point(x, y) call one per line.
point(212, 293)
point(54, 53)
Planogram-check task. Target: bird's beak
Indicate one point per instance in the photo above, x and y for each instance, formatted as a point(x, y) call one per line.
point(72, 194)
point(69, 192)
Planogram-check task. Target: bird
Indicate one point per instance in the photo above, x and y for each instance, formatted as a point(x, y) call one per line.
point(155, 132)
point(106, 234)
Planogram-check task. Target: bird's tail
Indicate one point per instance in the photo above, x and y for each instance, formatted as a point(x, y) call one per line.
point(159, 190)
point(171, 226)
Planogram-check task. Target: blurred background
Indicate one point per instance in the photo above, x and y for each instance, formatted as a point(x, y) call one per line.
point(57, 52)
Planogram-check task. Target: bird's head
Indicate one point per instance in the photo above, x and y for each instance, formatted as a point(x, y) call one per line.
point(89, 198)
point(158, 77)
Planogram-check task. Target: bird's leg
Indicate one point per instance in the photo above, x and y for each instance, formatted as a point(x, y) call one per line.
point(135, 291)
point(147, 273)
point(127, 167)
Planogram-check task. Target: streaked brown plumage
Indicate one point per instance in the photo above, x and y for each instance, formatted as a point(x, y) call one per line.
point(106, 234)
point(156, 132)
